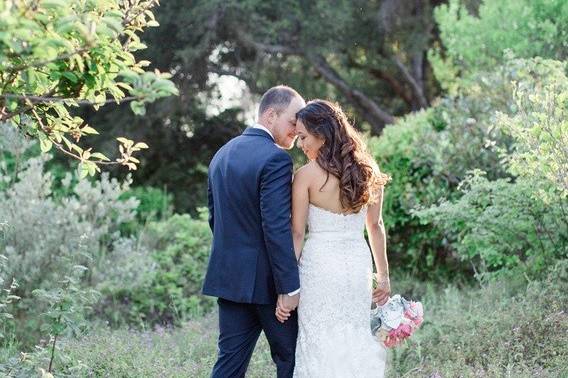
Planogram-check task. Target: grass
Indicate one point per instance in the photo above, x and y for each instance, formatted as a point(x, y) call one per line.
point(507, 328)
point(189, 351)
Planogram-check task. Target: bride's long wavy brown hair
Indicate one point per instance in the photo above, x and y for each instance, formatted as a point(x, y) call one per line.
point(343, 154)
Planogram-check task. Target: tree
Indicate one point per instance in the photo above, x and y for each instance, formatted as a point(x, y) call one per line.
point(196, 39)
point(478, 39)
point(56, 55)
point(371, 55)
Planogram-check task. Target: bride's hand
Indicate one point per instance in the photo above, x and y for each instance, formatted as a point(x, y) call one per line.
point(382, 293)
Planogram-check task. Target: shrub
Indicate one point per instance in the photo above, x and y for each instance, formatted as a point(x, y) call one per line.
point(153, 204)
point(428, 154)
point(502, 223)
point(45, 236)
point(505, 123)
point(170, 293)
point(504, 329)
point(479, 41)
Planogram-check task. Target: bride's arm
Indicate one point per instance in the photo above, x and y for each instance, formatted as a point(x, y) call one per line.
point(300, 202)
point(378, 242)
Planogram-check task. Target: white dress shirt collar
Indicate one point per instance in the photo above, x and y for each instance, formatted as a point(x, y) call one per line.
point(259, 126)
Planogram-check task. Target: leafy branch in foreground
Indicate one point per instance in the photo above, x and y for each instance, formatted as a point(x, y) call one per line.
point(56, 55)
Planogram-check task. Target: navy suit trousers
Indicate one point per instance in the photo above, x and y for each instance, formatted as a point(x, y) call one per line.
point(240, 325)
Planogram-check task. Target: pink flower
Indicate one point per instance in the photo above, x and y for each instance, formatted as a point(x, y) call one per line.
point(417, 308)
point(415, 313)
point(412, 319)
point(417, 321)
point(404, 330)
point(391, 341)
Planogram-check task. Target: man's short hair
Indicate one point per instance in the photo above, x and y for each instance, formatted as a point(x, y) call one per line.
point(277, 98)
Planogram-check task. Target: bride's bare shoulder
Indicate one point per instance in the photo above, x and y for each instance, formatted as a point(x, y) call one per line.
point(307, 169)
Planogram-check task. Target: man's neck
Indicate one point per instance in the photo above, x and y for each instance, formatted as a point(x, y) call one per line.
point(258, 125)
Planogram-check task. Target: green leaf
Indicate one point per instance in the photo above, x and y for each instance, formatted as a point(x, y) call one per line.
point(113, 23)
point(124, 140)
point(92, 168)
point(71, 77)
point(45, 145)
point(89, 130)
point(98, 155)
point(53, 4)
point(138, 108)
point(83, 170)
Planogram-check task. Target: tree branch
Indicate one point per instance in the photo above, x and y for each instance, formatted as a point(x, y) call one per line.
point(416, 88)
point(249, 41)
point(46, 99)
point(43, 63)
point(371, 111)
point(393, 83)
point(39, 99)
point(376, 116)
point(127, 19)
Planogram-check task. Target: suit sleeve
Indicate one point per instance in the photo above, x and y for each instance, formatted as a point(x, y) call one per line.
point(275, 202)
point(210, 202)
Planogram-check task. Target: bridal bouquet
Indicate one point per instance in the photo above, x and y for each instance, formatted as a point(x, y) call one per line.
point(396, 320)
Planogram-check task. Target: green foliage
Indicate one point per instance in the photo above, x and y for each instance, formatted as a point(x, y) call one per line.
point(540, 126)
point(370, 55)
point(7, 298)
point(184, 139)
point(56, 55)
point(502, 224)
point(504, 123)
point(410, 244)
point(66, 308)
point(153, 204)
point(44, 236)
point(473, 43)
point(170, 292)
point(505, 329)
point(428, 154)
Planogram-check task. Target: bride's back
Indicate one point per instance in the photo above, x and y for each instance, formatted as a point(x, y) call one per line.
point(324, 189)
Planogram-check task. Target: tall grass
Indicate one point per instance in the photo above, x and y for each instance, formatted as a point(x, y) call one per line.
point(505, 328)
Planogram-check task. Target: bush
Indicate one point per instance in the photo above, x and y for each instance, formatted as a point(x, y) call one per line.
point(45, 236)
point(504, 329)
point(479, 41)
point(488, 126)
point(428, 154)
point(170, 293)
point(502, 223)
point(153, 204)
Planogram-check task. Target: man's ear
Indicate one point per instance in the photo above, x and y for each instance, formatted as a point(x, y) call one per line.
point(271, 115)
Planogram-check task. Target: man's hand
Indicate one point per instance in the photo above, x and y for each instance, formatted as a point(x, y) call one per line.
point(285, 305)
point(382, 293)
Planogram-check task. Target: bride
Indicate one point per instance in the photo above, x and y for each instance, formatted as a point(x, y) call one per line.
point(337, 194)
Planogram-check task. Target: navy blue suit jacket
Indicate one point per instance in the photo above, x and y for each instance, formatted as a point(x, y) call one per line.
point(249, 190)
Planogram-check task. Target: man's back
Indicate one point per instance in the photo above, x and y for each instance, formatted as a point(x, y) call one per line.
point(252, 257)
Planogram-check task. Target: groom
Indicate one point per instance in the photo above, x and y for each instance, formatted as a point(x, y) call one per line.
point(252, 267)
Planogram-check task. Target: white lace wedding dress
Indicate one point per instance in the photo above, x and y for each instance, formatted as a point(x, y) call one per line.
point(334, 338)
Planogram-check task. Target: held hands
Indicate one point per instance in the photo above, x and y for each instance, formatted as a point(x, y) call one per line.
point(285, 305)
point(382, 293)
